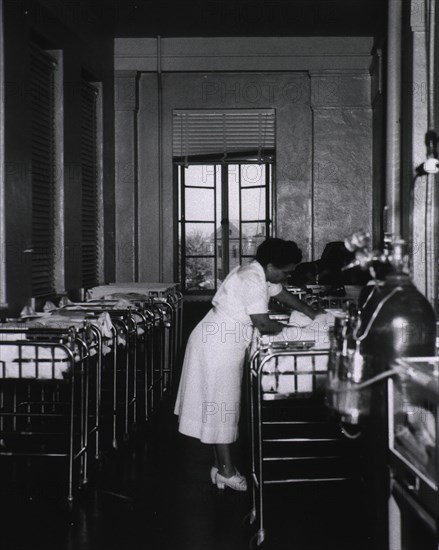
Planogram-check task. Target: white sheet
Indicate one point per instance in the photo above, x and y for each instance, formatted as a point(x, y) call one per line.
point(30, 370)
point(52, 362)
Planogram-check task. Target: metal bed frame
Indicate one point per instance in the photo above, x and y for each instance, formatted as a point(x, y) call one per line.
point(149, 353)
point(119, 381)
point(37, 403)
point(129, 381)
point(287, 430)
point(166, 301)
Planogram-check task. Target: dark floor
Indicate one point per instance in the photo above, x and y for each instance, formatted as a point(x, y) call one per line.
point(156, 494)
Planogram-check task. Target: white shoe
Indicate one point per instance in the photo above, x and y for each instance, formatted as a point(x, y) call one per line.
point(213, 472)
point(236, 482)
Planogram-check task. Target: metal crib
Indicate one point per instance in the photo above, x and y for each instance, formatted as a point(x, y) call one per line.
point(166, 303)
point(120, 388)
point(148, 350)
point(46, 406)
point(293, 439)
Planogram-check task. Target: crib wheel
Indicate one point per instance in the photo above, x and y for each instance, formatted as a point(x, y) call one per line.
point(250, 518)
point(257, 540)
point(260, 537)
point(83, 483)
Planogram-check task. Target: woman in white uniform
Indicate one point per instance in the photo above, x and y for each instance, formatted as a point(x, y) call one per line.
point(209, 395)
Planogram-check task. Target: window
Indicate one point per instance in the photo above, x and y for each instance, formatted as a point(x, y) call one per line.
point(224, 169)
point(224, 214)
point(42, 80)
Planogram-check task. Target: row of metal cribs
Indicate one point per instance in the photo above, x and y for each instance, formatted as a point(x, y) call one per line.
point(294, 439)
point(157, 309)
point(77, 382)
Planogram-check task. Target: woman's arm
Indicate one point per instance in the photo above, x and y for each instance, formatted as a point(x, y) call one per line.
point(290, 300)
point(265, 325)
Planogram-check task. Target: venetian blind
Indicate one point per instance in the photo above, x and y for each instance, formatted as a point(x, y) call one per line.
point(89, 171)
point(236, 134)
point(42, 87)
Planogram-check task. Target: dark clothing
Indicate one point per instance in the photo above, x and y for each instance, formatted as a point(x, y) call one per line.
point(327, 270)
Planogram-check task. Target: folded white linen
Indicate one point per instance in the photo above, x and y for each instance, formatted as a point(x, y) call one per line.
point(299, 319)
point(104, 323)
point(316, 329)
point(49, 306)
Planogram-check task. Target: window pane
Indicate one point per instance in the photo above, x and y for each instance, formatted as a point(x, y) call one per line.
point(233, 171)
point(200, 274)
point(200, 204)
point(206, 258)
point(253, 204)
point(218, 208)
point(234, 257)
point(203, 175)
point(233, 175)
point(252, 236)
point(246, 260)
point(200, 239)
point(252, 174)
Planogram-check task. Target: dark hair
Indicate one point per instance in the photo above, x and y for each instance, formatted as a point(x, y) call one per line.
point(278, 252)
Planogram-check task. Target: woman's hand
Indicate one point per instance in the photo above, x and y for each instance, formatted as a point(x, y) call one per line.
point(290, 300)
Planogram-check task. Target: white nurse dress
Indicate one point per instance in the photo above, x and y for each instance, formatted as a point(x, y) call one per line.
point(209, 395)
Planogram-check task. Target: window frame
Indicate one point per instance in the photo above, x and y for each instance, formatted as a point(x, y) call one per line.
point(180, 233)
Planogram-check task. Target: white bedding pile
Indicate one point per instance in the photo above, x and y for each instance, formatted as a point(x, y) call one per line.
point(66, 318)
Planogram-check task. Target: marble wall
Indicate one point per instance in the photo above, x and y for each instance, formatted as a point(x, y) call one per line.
point(324, 180)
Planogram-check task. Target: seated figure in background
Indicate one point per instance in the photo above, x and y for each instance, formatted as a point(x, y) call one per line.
point(327, 270)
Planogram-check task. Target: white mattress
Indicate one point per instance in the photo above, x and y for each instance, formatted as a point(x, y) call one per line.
point(20, 361)
point(292, 373)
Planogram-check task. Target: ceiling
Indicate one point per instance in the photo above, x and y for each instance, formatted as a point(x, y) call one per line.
point(185, 18)
point(250, 17)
